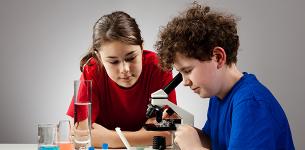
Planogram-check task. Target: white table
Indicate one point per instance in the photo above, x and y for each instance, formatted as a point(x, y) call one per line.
point(18, 146)
point(33, 147)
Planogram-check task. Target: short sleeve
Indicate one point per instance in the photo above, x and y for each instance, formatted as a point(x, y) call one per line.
point(252, 126)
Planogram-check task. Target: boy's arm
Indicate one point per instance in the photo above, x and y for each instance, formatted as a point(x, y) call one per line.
point(205, 140)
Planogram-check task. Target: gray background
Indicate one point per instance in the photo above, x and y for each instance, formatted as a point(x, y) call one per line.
point(42, 41)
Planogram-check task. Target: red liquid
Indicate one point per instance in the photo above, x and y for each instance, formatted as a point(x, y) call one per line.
point(66, 146)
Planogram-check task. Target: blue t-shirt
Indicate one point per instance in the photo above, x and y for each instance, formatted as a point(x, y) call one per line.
point(248, 117)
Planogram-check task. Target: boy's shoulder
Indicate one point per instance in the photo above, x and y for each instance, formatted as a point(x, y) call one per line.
point(251, 89)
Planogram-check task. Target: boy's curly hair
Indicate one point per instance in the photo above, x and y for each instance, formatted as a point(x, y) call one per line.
point(195, 32)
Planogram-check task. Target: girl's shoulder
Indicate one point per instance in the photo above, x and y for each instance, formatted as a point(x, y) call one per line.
point(91, 67)
point(150, 57)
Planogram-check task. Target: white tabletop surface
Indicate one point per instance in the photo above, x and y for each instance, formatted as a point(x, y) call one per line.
point(31, 147)
point(18, 146)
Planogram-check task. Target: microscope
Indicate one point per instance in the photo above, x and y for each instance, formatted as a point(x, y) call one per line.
point(159, 100)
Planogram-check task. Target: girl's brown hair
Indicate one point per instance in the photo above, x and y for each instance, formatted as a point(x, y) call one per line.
point(117, 26)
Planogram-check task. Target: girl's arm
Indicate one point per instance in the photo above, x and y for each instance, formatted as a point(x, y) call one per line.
point(141, 137)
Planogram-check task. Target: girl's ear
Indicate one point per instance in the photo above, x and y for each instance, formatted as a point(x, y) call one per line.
point(142, 46)
point(220, 56)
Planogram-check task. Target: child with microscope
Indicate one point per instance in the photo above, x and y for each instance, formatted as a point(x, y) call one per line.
point(202, 45)
point(123, 77)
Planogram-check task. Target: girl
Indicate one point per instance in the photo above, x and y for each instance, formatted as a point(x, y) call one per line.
point(123, 77)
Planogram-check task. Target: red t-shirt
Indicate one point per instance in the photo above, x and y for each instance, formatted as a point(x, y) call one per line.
point(114, 106)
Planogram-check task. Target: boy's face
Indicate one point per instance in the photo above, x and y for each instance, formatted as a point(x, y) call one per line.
point(123, 63)
point(201, 76)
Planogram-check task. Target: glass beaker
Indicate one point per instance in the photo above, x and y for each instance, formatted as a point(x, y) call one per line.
point(64, 135)
point(47, 134)
point(82, 113)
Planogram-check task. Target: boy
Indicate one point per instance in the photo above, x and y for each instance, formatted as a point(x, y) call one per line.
point(243, 114)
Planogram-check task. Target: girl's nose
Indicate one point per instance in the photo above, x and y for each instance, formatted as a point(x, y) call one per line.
point(125, 67)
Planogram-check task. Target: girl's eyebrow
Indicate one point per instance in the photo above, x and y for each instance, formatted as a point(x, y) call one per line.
point(111, 57)
point(128, 54)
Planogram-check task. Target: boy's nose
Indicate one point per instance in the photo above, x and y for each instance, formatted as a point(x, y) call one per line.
point(187, 82)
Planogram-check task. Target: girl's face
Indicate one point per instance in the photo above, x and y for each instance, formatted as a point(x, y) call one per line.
point(123, 62)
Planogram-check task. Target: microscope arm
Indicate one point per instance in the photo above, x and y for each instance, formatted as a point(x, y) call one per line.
point(159, 98)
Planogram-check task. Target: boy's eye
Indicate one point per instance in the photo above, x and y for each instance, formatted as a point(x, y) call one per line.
point(187, 71)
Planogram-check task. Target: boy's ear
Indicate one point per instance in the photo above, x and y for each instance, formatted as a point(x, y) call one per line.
point(220, 56)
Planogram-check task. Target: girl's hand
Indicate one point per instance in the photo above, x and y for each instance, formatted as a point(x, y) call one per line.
point(100, 135)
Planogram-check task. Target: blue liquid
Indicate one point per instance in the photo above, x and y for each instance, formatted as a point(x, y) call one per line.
point(52, 147)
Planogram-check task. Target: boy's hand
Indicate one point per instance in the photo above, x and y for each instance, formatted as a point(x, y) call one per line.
point(187, 137)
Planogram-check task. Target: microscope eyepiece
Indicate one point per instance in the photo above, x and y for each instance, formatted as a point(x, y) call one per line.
point(173, 84)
